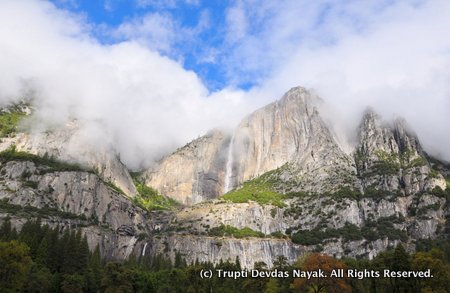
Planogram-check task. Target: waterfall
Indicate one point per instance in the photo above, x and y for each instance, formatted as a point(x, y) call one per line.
point(229, 167)
point(143, 250)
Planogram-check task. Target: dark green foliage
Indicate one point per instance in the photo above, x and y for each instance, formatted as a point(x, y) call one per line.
point(61, 263)
point(29, 211)
point(349, 232)
point(437, 191)
point(39, 279)
point(377, 194)
point(387, 164)
point(53, 261)
point(346, 192)
point(297, 194)
point(53, 165)
point(6, 232)
point(31, 184)
point(114, 187)
point(384, 228)
point(226, 230)
point(371, 231)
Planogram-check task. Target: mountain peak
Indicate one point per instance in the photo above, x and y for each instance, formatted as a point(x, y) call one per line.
point(300, 96)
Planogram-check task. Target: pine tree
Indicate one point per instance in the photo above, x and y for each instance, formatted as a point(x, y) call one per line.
point(42, 252)
point(55, 250)
point(180, 262)
point(5, 230)
point(94, 272)
point(238, 263)
point(401, 262)
point(83, 254)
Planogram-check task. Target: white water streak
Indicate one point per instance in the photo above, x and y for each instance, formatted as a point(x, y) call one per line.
point(143, 250)
point(229, 167)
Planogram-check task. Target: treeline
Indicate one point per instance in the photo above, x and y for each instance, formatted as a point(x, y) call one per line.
point(42, 259)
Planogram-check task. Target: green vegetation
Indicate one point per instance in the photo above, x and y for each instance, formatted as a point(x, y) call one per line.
point(9, 121)
point(387, 164)
point(227, 230)
point(377, 194)
point(437, 191)
point(371, 231)
point(113, 186)
point(407, 162)
point(345, 192)
point(11, 154)
point(40, 259)
point(434, 173)
point(257, 190)
point(384, 228)
point(391, 163)
point(29, 211)
point(349, 232)
point(44, 259)
point(149, 198)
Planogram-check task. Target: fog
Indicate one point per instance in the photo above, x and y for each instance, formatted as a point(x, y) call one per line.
point(395, 59)
point(392, 56)
point(124, 94)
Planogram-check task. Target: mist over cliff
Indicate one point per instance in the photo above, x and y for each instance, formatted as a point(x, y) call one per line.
point(139, 99)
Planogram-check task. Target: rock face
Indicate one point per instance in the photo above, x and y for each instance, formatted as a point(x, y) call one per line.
point(214, 249)
point(291, 133)
point(389, 218)
point(384, 192)
point(65, 145)
point(288, 132)
point(194, 173)
point(387, 191)
point(72, 199)
point(390, 158)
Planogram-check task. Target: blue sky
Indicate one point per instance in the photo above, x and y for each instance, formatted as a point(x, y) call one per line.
point(227, 43)
point(190, 52)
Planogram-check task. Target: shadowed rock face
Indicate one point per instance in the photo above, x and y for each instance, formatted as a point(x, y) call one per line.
point(390, 158)
point(193, 173)
point(73, 199)
point(65, 145)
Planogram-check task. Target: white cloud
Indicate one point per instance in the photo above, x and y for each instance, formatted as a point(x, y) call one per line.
point(394, 56)
point(123, 94)
point(236, 24)
point(156, 31)
point(165, 3)
point(160, 32)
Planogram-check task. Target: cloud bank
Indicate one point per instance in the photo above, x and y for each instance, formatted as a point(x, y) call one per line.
point(391, 55)
point(136, 94)
point(123, 94)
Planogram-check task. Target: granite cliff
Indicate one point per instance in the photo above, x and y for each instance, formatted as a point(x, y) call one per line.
point(288, 132)
point(278, 184)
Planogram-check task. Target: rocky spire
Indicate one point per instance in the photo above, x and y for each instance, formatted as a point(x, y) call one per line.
point(389, 157)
